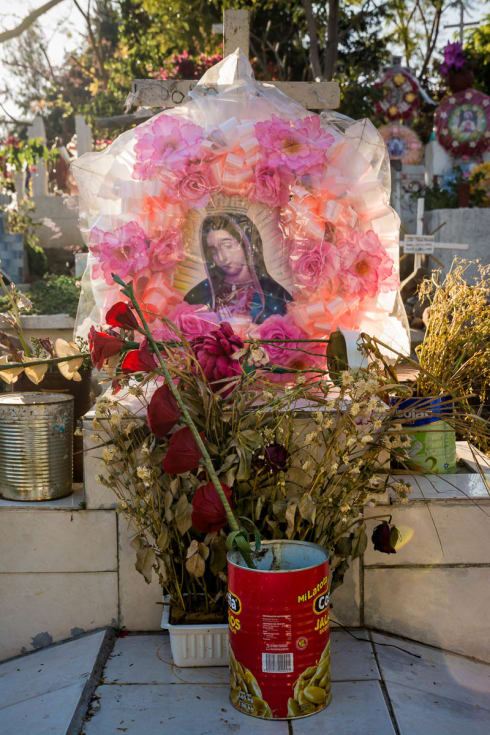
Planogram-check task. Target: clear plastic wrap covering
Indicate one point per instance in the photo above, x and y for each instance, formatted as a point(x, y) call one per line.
point(243, 206)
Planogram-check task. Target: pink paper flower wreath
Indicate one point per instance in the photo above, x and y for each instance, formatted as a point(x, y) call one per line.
point(299, 145)
point(169, 143)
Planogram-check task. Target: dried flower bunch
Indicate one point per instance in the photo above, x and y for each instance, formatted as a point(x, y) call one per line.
point(296, 461)
point(455, 354)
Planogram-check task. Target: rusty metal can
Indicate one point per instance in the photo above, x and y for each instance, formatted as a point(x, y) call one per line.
point(36, 454)
point(279, 624)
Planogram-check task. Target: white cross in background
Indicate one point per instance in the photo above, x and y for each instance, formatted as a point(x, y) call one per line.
point(421, 244)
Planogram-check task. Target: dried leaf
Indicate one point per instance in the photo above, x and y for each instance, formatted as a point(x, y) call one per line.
point(6, 321)
point(196, 565)
point(35, 373)
point(163, 538)
point(162, 570)
point(183, 513)
point(343, 547)
point(204, 551)
point(218, 555)
point(9, 376)
point(192, 549)
point(69, 370)
point(307, 508)
point(167, 504)
point(290, 515)
point(250, 438)
point(245, 464)
point(145, 558)
point(359, 542)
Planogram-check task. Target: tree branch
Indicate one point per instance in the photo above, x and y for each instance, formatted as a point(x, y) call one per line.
point(332, 38)
point(314, 45)
point(93, 42)
point(28, 21)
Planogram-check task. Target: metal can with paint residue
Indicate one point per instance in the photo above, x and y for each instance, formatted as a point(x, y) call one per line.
point(36, 445)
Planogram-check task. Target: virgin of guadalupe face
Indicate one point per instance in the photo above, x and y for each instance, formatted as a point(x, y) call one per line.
point(227, 253)
point(237, 282)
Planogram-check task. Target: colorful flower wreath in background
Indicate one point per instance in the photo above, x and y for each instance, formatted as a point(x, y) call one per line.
point(403, 144)
point(328, 200)
point(400, 95)
point(462, 123)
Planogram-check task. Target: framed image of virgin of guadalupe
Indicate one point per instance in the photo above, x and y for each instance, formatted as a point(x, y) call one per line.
point(237, 264)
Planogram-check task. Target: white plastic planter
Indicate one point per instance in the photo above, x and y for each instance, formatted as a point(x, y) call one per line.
point(197, 645)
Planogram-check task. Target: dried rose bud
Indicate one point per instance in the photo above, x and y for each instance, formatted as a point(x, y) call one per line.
point(385, 537)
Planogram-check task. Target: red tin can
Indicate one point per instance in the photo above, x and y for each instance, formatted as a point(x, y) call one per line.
point(279, 623)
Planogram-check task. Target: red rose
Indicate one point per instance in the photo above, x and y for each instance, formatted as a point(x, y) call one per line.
point(139, 360)
point(121, 315)
point(163, 412)
point(102, 346)
point(208, 513)
point(182, 454)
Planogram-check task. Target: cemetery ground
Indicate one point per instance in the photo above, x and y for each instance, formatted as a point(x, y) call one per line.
point(99, 684)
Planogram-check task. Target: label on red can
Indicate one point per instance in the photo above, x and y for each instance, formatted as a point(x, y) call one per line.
point(280, 639)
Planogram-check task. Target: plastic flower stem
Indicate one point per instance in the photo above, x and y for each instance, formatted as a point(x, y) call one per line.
point(232, 521)
point(47, 361)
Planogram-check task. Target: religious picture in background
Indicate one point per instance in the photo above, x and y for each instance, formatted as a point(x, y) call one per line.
point(467, 122)
point(237, 282)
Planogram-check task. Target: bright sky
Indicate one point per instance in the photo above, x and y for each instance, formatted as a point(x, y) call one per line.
point(64, 23)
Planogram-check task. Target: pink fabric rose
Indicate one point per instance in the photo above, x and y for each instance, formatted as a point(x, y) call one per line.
point(365, 267)
point(286, 353)
point(167, 251)
point(166, 143)
point(192, 184)
point(300, 145)
point(271, 185)
point(123, 251)
point(192, 320)
point(313, 263)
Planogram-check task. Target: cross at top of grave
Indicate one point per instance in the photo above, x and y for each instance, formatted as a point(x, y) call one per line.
point(236, 32)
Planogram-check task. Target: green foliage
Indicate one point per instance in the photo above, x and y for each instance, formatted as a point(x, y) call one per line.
point(55, 295)
point(477, 45)
point(447, 196)
point(22, 154)
point(37, 259)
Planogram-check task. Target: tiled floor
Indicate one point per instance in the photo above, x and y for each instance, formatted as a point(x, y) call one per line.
point(377, 690)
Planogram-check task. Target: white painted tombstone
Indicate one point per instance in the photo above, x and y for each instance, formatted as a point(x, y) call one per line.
point(84, 135)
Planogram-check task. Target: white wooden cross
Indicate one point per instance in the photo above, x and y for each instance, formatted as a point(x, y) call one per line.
point(236, 32)
point(420, 244)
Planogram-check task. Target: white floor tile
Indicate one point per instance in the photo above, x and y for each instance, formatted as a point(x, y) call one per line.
point(147, 659)
point(351, 659)
point(174, 709)
point(422, 713)
point(47, 714)
point(48, 670)
point(357, 708)
point(435, 673)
